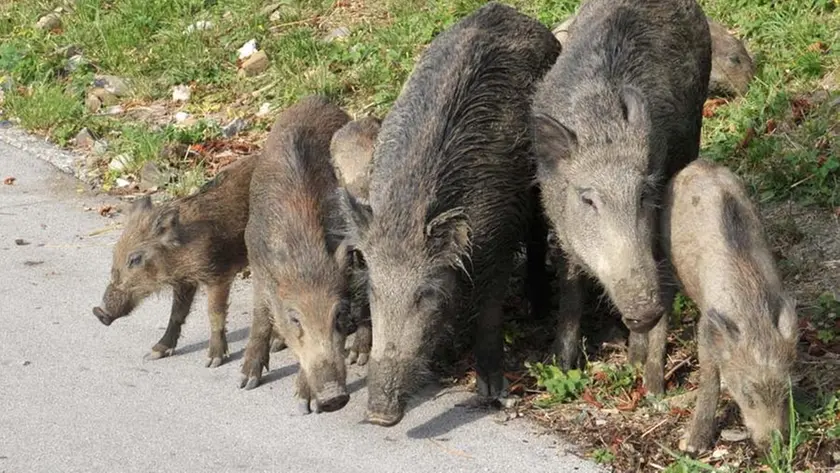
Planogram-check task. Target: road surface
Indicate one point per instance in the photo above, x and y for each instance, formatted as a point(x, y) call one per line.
point(76, 396)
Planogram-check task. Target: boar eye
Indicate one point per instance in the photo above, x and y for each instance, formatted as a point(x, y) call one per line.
point(135, 259)
point(424, 296)
point(294, 317)
point(587, 196)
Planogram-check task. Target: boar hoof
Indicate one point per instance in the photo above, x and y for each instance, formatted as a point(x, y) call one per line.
point(214, 362)
point(249, 382)
point(360, 359)
point(277, 345)
point(496, 388)
point(158, 353)
point(303, 407)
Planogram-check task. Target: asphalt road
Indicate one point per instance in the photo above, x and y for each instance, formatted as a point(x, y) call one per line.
point(78, 396)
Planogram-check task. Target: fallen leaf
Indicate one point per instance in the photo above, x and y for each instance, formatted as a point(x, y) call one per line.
point(711, 106)
point(799, 107)
point(818, 47)
point(748, 137)
point(822, 143)
point(590, 399)
point(770, 126)
point(106, 210)
point(9, 180)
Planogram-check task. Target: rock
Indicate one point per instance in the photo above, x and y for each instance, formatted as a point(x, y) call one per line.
point(123, 182)
point(234, 128)
point(255, 64)
point(114, 110)
point(120, 163)
point(339, 33)
point(734, 435)
point(181, 117)
point(248, 49)
point(100, 147)
point(112, 84)
point(49, 22)
point(75, 62)
point(92, 103)
point(6, 124)
point(269, 9)
point(561, 31)
point(92, 162)
point(264, 110)
point(107, 98)
point(199, 26)
point(181, 93)
point(84, 139)
point(7, 84)
point(275, 17)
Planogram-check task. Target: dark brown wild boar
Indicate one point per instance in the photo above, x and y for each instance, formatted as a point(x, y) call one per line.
point(451, 200)
point(747, 332)
point(188, 242)
point(298, 259)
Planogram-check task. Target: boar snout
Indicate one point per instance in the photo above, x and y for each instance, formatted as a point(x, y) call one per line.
point(643, 322)
point(761, 426)
point(332, 397)
point(642, 312)
point(103, 316)
point(385, 404)
point(115, 304)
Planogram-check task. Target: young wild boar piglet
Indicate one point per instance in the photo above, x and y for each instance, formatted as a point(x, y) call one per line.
point(352, 154)
point(617, 115)
point(298, 259)
point(452, 199)
point(190, 241)
point(747, 332)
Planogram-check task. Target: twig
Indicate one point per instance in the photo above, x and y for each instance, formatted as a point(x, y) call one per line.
point(679, 365)
point(802, 181)
point(449, 450)
point(259, 92)
point(646, 432)
point(655, 466)
point(103, 230)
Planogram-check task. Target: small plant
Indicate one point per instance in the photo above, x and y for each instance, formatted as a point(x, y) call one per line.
point(603, 455)
point(562, 386)
point(781, 457)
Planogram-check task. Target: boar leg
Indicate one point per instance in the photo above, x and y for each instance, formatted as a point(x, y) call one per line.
point(360, 351)
point(657, 340)
point(537, 283)
point(304, 394)
point(702, 429)
point(182, 299)
point(569, 311)
point(256, 352)
point(489, 350)
point(217, 307)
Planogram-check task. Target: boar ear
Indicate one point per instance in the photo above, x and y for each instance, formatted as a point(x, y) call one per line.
point(553, 141)
point(788, 321)
point(167, 227)
point(634, 106)
point(722, 327)
point(448, 236)
point(143, 204)
point(358, 214)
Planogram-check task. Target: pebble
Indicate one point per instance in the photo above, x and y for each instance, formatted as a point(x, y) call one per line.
point(181, 93)
point(248, 49)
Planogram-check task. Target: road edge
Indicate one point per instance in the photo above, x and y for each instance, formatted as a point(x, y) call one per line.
point(66, 161)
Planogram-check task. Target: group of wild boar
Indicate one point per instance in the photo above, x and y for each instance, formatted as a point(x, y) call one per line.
point(405, 230)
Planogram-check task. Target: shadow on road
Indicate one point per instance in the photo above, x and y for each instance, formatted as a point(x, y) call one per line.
point(232, 337)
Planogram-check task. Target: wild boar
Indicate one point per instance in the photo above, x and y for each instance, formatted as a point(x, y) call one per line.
point(617, 115)
point(352, 154)
point(298, 259)
point(747, 332)
point(732, 66)
point(452, 198)
point(188, 242)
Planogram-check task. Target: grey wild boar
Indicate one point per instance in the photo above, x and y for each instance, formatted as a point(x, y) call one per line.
point(747, 332)
point(732, 66)
point(618, 114)
point(183, 244)
point(298, 259)
point(352, 154)
point(451, 199)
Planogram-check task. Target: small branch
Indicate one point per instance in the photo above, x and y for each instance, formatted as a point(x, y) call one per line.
point(679, 365)
point(646, 432)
